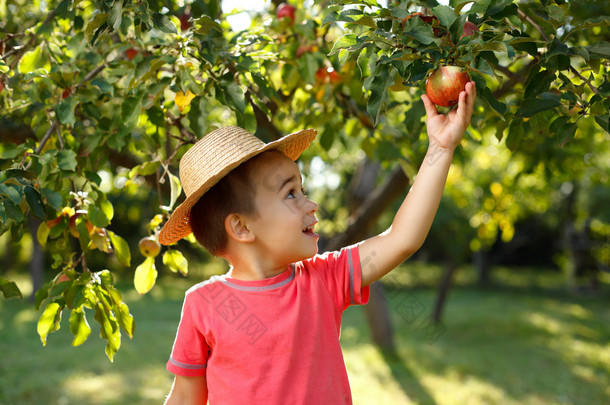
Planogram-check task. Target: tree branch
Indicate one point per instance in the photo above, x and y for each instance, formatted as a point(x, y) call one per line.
point(360, 223)
point(525, 17)
point(30, 42)
point(593, 88)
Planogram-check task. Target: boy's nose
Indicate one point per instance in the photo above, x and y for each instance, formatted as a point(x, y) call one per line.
point(313, 206)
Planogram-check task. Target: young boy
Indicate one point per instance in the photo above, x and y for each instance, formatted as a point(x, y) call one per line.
point(267, 332)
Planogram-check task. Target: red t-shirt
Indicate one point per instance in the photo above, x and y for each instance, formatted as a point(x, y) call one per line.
point(272, 341)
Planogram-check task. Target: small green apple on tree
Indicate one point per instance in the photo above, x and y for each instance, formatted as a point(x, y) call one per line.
point(149, 246)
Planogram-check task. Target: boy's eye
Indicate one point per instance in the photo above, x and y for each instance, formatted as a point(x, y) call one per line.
point(293, 193)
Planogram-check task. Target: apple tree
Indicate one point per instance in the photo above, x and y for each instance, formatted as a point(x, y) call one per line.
point(116, 89)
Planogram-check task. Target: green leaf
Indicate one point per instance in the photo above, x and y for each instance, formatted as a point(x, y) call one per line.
point(198, 116)
point(176, 261)
point(600, 49)
point(164, 24)
point(346, 41)
point(42, 234)
point(204, 24)
point(130, 110)
point(236, 97)
point(79, 326)
point(446, 16)
point(145, 169)
point(109, 330)
point(11, 192)
point(175, 189)
point(419, 31)
point(94, 24)
point(11, 150)
point(9, 289)
point(515, 134)
point(66, 160)
point(121, 249)
point(107, 208)
point(65, 111)
point(532, 106)
point(603, 121)
point(498, 106)
point(49, 321)
point(33, 60)
point(42, 294)
point(367, 21)
point(115, 17)
point(379, 92)
point(35, 202)
point(98, 217)
point(145, 276)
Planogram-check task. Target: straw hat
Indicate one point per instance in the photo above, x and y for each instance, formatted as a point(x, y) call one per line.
point(212, 158)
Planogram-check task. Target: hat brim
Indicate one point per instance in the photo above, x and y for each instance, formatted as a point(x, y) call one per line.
point(178, 225)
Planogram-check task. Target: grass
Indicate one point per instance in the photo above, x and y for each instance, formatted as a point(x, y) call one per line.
point(505, 345)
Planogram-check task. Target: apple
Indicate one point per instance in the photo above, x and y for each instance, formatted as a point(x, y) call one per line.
point(469, 28)
point(185, 24)
point(131, 53)
point(321, 75)
point(66, 93)
point(285, 10)
point(428, 19)
point(334, 76)
point(1, 87)
point(149, 247)
point(444, 85)
point(303, 49)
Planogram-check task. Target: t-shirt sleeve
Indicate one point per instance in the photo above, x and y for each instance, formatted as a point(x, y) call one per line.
point(343, 276)
point(190, 352)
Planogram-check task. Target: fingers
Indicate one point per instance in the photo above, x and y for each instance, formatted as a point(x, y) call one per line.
point(430, 107)
point(466, 102)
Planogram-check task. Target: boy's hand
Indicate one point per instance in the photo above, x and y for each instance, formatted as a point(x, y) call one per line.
point(446, 131)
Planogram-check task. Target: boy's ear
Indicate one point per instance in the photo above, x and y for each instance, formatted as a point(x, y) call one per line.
point(237, 228)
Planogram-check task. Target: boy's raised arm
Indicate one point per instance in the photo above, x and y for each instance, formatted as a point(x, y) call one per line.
point(188, 391)
point(382, 253)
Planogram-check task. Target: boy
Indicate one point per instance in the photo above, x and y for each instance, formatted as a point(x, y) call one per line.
point(267, 332)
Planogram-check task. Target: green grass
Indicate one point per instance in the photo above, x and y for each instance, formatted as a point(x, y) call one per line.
point(505, 345)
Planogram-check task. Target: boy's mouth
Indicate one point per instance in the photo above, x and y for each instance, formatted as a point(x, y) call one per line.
point(309, 229)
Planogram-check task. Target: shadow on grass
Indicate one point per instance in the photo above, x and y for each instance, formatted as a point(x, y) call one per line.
point(527, 348)
point(409, 383)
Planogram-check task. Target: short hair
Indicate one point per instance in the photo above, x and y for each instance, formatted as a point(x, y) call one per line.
point(233, 194)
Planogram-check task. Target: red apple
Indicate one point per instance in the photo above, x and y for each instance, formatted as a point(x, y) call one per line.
point(444, 85)
point(321, 75)
point(185, 24)
point(66, 93)
point(469, 28)
point(1, 87)
point(131, 53)
point(303, 49)
point(334, 76)
point(285, 10)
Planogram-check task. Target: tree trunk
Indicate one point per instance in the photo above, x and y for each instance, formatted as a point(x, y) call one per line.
point(37, 260)
point(482, 266)
point(365, 213)
point(443, 291)
point(378, 317)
